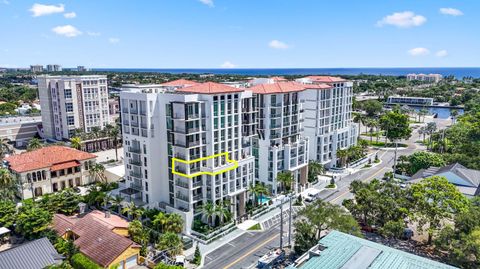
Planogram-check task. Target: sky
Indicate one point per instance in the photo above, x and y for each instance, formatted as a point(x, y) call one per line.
point(240, 33)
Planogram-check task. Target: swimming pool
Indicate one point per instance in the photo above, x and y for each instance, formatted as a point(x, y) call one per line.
point(264, 199)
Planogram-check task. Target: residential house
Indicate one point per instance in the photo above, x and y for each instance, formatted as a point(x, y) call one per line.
point(37, 254)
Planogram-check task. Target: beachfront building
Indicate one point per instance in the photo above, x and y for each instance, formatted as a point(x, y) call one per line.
point(188, 146)
point(70, 103)
point(408, 100)
point(423, 77)
point(328, 117)
point(50, 169)
point(280, 144)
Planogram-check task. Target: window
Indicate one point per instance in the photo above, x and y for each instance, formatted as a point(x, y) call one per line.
point(69, 107)
point(68, 93)
point(70, 120)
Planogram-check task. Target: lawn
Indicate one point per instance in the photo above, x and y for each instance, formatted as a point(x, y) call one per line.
point(255, 227)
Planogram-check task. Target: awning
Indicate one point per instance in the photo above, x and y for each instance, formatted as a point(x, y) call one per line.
point(65, 165)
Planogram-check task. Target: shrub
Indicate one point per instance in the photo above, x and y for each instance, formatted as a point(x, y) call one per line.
point(80, 261)
point(197, 257)
point(166, 266)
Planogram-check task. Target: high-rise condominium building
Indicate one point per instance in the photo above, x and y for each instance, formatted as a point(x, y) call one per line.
point(54, 68)
point(186, 146)
point(72, 102)
point(423, 77)
point(328, 117)
point(36, 68)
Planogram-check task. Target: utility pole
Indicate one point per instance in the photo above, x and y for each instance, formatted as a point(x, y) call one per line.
point(281, 225)
point(395, 159)
point(290, 222)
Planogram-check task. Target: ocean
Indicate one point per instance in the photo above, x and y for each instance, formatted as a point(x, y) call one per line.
point(458, 72)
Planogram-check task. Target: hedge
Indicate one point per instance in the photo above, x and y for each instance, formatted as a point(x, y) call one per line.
point(80, 261)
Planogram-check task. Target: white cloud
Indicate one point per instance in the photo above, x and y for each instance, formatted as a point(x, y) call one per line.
point(207, 2)
point(451, 11)
point(228, 64)
point(113, 40)
point(441, 53)
point(66, 30)
point(93, 33)
point(404, 19)
point(70, 15)
point(42, 10)
point(276, 44)
point(419, 52)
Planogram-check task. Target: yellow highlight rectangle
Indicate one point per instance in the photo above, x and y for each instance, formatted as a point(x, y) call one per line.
point(235, 165)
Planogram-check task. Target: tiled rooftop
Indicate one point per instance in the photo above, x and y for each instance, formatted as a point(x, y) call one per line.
point(209, 88)
point(47, 157)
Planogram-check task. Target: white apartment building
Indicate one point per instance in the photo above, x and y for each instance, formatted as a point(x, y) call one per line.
point(423, 77)
point(191, 128)
point(410, 100)
point(72, 102)
point(280, 144)
point(328, 120)
point(54, 68)
point(36, 68)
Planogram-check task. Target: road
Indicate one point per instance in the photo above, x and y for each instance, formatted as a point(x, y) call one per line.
point(245, 250)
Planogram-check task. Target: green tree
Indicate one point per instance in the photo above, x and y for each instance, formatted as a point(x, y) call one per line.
point(435, 200)
point(395, 125)
point(5, 147)
point(423, 160)
point(8, 213)
point(171, 243)
point(359, 119)
point(342, 155)
point(76, 142)
point(174, 223)
point(222, 211)
point(34, 144)
point(373, 107)
point(319, 217)
point(208, 212)
point(32, 221)
point(314, 169)
point(197, 256)
point(133, 210)
point(98, 172)
point(117, 201)
point(286, 180)
point(114, 133)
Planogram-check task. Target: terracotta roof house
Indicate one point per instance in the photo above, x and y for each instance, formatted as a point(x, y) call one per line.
point(466, 180)
point(50, 169)
point(179, 83)
point(100, 237)
point(36, 254)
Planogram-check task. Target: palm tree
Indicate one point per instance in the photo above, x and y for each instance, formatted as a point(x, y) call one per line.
point(342, 154)
point(97, 171)
point(6, 178)
point(5, 147)
point(253, 190)
point(159, 221)
point(114, 132)
point(314, 169)
point(286, 178)
point(117, 201)
point(174, 223)
point(222, 210)
point(171, 243)
point(359, 119)
point(133, 210)
point(454, 114)
point(8, 185)
point(208, 212)
point(96, 133)
point(34, 144)
point(423, 112)
point(76, 142)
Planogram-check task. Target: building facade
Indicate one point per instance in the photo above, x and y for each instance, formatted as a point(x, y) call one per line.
point(423, 77)
point(409, 100)
point(73, 102)
point(36, 68)
point(54, 68)
point(50, 169)
point(280, 144)
point(189, 146)
point(328, 117)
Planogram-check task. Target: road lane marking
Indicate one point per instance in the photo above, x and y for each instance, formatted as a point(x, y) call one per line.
point(250, 252)
point(348, 191)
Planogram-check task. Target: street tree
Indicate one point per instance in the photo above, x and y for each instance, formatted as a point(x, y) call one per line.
point(435, 200)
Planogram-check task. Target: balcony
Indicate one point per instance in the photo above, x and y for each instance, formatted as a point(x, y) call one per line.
point(136, 186)
point(182, 184)
point(182, 197)
point(276, 115)
point(134, 123)
point(276, 105)
point(135, 162)
point(136, 174)
point(133, 111)
point(198, 197)
point(134, 150)
point(198, 184)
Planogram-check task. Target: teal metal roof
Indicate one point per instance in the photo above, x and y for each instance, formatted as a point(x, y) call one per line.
point(341, 247)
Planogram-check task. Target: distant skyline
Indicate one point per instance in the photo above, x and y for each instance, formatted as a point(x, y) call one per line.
point(240, 34)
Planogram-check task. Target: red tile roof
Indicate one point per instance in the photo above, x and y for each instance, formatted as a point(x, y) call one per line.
point(325, 79)
point(284, 87)
point(111, 222)
point(46, 157)
point(65, 165)
point(209, 88)
point(180, 83)
point(95, 239)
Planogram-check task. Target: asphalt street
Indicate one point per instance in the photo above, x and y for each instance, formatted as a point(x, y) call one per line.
point(245, 250)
